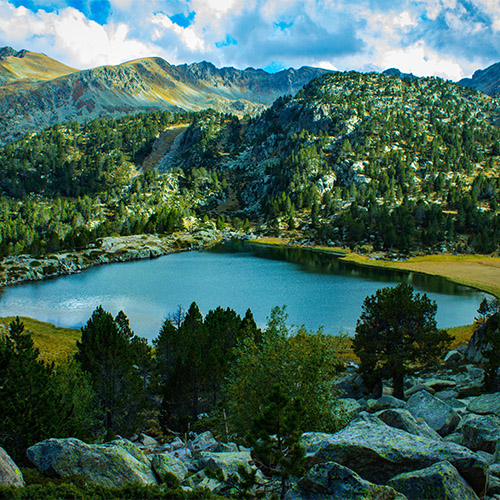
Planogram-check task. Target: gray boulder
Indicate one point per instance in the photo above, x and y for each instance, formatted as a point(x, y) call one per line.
point(378, 452)
point(440, 481)
point(348, 407)
point(111, 464)
point(493, 486)
point(404, 420)
point(204, 441)
point(165, 464)
point(384, 402)
point(453, 356)
point(485, 404)
point(436, 413)
point(481, 432)
point(228, 462)
point(10, 475)
point(333, 481)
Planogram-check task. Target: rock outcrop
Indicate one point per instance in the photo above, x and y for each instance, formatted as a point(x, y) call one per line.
point(113, 464)
point(10, 475)
point(440, 481)
point(378, 452)
point(333, 481)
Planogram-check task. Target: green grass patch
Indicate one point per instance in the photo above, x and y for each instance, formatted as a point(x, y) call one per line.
point(55, 343)
point(462, 334)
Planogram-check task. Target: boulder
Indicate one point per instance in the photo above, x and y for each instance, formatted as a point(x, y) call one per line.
point(385, 401)
point(419, 386)
point(440, 481)
point(438, 384)
point(378, 452)
point(107, 465)
point(165, 464)
point(476, 346)
point(436, 413)
point(349, 407)
point(453, 356)
point(485, 404)
point(494, 486)
point(204, 441)
point(446, 395)
point(333, 481)
point(481, 432)
point(10, 475)
point(228, 462)
point(404, 420)
point(495, 470)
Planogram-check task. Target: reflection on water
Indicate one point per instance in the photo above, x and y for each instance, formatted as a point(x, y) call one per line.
point(313, 261)
point(317, 288)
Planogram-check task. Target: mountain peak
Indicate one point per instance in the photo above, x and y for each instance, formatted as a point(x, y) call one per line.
point(10, 52)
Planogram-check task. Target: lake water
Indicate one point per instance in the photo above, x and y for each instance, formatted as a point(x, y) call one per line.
point(317, 288)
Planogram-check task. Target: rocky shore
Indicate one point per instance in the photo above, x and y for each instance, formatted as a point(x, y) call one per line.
point(21, 268)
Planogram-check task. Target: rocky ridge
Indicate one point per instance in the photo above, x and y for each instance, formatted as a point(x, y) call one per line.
point(31, 102)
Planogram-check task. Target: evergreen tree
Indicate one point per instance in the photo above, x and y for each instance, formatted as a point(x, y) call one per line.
point(396, 332)
point(106, 352)
point(32, 406)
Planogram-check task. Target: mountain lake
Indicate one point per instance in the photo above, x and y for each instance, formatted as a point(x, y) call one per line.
point(317, 288)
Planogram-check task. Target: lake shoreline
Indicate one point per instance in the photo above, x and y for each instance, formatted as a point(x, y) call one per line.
point(458, 269)
point(19, 269)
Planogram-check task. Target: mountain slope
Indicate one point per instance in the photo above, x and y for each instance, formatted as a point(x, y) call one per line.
point(142, 85)
point(487, 80)
point(29, 66)
point(351, 151)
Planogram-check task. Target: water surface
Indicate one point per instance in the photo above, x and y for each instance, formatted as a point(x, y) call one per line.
point(317, 288)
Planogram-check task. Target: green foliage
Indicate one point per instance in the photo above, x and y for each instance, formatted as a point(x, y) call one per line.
point(490, 348)
point(193, 357)
point(302, 364)
point(275, 437)
point(35, 406)
point(77, 488)
point(397, 332)
point(108, 353)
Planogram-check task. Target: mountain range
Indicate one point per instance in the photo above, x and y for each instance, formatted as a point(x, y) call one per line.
point(37, 91)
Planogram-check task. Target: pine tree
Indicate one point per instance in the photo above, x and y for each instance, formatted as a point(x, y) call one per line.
point(106, 352)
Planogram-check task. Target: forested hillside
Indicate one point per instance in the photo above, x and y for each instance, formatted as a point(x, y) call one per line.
point(365, 158)
point(373, 161)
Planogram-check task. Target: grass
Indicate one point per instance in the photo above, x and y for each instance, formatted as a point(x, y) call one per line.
point(55, 343)
point(462, 335)
point(477, 271)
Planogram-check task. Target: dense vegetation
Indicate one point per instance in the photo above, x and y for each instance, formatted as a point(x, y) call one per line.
point(365, 160)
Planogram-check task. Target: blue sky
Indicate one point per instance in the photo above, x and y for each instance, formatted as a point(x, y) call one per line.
point(447, 38)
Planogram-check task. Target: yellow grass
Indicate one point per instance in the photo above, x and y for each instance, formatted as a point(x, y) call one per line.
point(462, 335)
point(477, 271)
point(55, 343)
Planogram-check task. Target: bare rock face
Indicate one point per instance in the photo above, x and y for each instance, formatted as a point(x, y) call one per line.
point(10, 475)
point(112, 464)
point(378, 452)
point(440, 481)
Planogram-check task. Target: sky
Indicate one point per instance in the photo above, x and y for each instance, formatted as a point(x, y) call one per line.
point(446, 38)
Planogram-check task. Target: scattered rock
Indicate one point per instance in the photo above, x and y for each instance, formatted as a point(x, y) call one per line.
point(10, 475)
point(106, 465)
point(440, 481)
point(333, 481)
point(164, 464)
point(204, 441)
point(485, 404)
point(384, 402)
point(227, 462)
point(453, 356)
point(404, 420)
point(436, 413)
point(378, 452)
point(481, 432)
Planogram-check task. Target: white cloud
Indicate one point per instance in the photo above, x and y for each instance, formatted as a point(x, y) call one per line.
point(83, 43)
point(421, 61)
point(187, 36)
